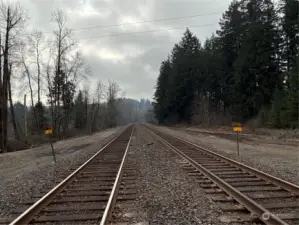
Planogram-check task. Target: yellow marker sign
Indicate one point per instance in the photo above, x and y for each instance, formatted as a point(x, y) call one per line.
point(48, 131)
point(237, 129)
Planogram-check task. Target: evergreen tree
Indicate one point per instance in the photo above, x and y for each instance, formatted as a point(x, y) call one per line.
point(284, 110)
point(292, 100)
point(249, 68)
point(230, 39)
point(211, 80)
point(41, 118)
point(161, 95)
point(185, 75)
point(290, 31)
point(80, 115)
point(290, 45)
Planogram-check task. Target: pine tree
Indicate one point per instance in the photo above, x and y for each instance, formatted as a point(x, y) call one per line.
point(41, 118)
point(256, 71)
point(212, 81)
point(290, 30)
point(185, 71)
point(291, 114)
point(80, 115)
point(161, 95)
point(284, 109)
point(290, 45)
point(250, 68)
point(230, 39)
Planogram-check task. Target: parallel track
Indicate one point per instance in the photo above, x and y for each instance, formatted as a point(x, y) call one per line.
point(269, 199)
point(87, 195)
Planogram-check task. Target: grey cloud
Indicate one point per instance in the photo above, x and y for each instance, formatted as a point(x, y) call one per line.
point(137, 72)
point(132, 77)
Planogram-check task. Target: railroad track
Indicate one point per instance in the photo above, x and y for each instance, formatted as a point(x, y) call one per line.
point(88, 195)
point(238, 188)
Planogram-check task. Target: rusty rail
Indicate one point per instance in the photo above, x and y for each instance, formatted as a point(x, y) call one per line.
point(112, 199)
point(264, 215)
point(35, 209)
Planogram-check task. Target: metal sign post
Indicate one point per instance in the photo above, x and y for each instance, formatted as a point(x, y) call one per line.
point(53, 152)
point(237, 127)
point(49, 131)
point(238, 142)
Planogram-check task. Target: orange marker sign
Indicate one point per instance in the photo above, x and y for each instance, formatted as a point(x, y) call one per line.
point(48, 130)
point(237, 129)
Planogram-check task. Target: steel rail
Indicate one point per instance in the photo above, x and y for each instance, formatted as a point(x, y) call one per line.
point(275, 180)
point(113, 196)
point(264, 215)
point(33, 210)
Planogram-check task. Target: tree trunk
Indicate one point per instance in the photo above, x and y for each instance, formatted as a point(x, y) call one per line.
point(38, 88)
point(1, 105)
point(86, 116)
point(66, 122)
point(91, 116)
point(57, 91)
point(51, 100)
point(94, 119)
point(13, 18)
point(38, 77)
point(2, 147)
point(1, 116)
point(31, 95)
point(13, 118)
point(5, 82)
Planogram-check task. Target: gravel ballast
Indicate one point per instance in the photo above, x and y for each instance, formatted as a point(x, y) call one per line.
point(275, 159)
point(30, 171)
point(166, 194)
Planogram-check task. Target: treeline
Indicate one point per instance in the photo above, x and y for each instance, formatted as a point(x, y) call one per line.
point(51, 70)
point(93, 109)
point(132, 111)
point(248, 69)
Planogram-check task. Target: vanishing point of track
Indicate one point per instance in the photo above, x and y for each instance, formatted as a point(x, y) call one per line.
point(236, 186)
point(87, 195)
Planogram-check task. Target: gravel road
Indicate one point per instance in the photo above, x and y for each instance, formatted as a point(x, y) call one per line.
point(166, 194)
point(26, 172)
point(276, 159)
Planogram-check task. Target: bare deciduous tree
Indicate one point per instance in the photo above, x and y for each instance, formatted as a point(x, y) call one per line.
point(86, 103)
point(62, 45)
point(113, 99)
point(36, 43)
point(96, 104)
point(12, 19)
point(17, 131)
point(27, 74)
point(75, 68)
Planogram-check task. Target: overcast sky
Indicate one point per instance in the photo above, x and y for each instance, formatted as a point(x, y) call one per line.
point(132, 61)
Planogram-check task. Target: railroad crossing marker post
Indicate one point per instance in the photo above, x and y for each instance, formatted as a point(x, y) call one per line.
point(237, 127)
point(49, 131)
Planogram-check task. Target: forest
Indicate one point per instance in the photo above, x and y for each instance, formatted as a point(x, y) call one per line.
point(246, 71)
point(50, 73)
